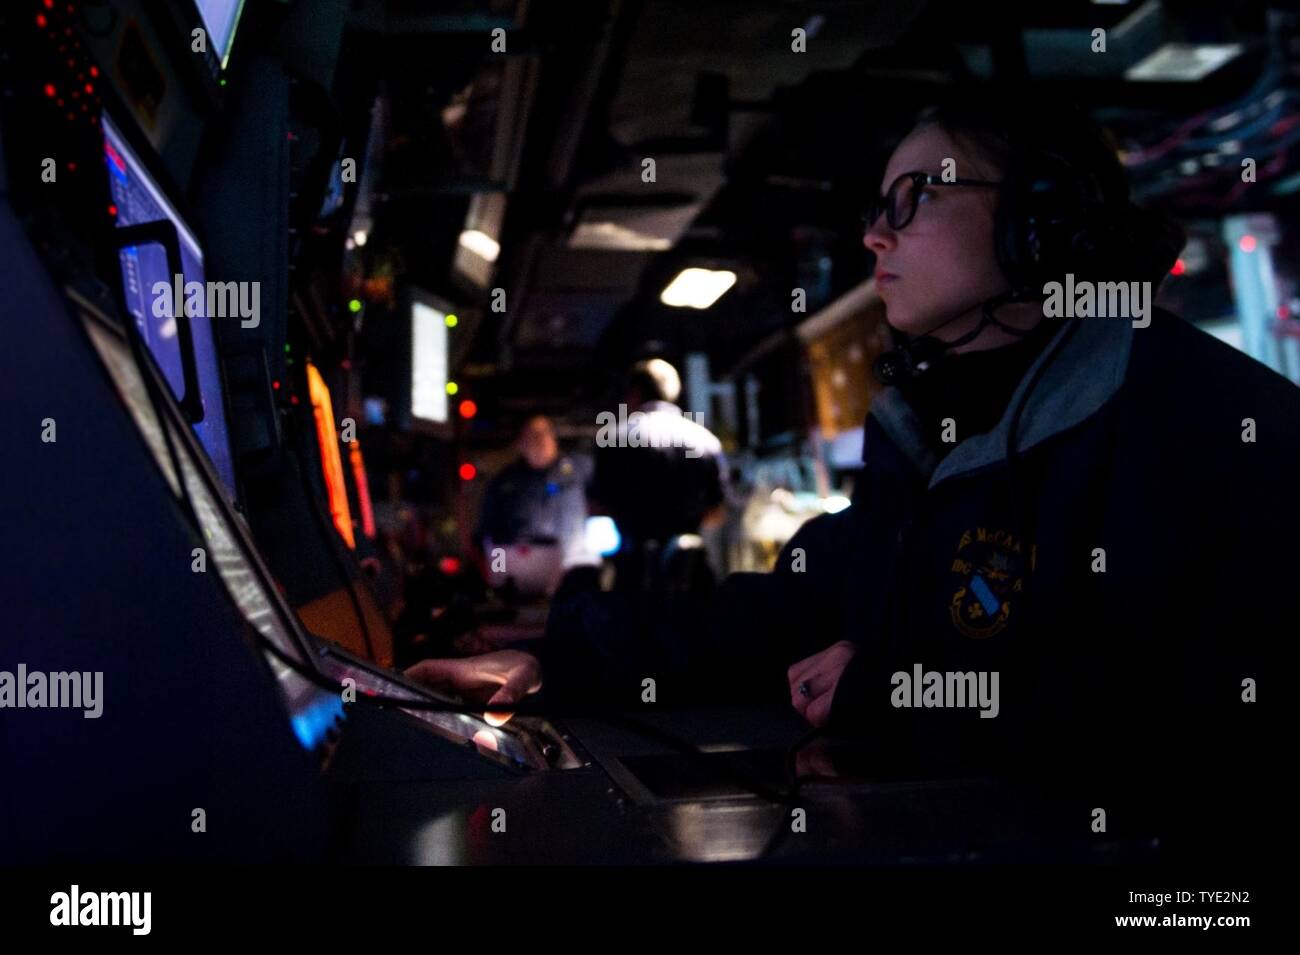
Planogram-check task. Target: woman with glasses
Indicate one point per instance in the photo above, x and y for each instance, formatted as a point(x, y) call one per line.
point(1075, 533)
point(1099, 509)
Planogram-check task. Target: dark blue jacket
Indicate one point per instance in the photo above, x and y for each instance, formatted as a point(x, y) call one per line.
point(1132, 447)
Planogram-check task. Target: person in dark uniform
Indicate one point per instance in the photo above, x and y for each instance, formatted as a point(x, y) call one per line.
point(658, 473)
point(539, 499)
point(1096, 506)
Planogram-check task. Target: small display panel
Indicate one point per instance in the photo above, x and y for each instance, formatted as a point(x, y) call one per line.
point(138, 201)
point(220, 17)
point(428, 363)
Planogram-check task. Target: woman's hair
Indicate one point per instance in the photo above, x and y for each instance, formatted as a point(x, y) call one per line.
point(1018, 132)
point(1009, 130)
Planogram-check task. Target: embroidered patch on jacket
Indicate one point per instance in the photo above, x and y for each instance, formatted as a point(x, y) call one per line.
point(989, 575)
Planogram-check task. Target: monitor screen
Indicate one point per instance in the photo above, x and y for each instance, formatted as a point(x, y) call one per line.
point(220, 17)
point(139, 200)
point(428, 363)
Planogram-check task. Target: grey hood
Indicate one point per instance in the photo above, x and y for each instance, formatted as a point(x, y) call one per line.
point(1086, 372)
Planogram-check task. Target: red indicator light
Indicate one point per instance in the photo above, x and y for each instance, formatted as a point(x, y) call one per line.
point(50, 91)
point(1179, 267)
point(49, 5)
point(449, 565)
point(41, 21)
point(1247, 243)
point(89, 88)
point(275, 385)
point(468, 409)
point(72, 167)
point(467, 472)
point(94, 71)
point(112, 211)
point(293, 399)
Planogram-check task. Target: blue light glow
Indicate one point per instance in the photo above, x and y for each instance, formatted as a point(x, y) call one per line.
point(313, 721)
point(602, 535)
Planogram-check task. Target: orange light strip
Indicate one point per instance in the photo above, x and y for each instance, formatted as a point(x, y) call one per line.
point(363, 489)
point(331, 461)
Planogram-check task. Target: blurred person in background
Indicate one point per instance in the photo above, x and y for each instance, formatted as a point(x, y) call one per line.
point(661, 476)
point(535, 512)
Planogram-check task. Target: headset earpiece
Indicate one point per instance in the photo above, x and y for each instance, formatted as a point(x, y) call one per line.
point(1047, 222)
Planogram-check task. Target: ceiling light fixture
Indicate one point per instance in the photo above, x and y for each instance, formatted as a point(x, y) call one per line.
point(697, 288)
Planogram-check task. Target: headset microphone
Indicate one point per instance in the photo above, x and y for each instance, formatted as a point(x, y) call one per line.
point(911, 358)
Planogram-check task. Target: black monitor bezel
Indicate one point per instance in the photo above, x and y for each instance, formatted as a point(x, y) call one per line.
point(149, 160)
point(179, 18)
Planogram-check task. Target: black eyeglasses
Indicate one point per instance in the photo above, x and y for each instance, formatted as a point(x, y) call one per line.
point(904, 194)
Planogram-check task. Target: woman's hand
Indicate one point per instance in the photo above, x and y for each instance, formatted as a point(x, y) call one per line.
point(504, 677)
point(813, 681)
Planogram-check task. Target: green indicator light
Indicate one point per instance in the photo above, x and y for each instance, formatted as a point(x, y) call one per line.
point(451, 321)
point(354, 306)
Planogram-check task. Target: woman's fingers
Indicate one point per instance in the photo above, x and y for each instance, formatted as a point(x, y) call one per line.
point(804, 671)
point(817, 682)
point(519, 676)
point(819, 710)
point(814, 679)
point(522, 677)
point(439, 674)
point(502, 678)
point(798, 671)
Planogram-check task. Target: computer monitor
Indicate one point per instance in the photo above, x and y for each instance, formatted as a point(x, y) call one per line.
point(428, 363)
point(220, 17)
point(139, 200)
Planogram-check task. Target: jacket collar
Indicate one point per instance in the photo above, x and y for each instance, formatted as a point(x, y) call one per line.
point(1087, 371)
